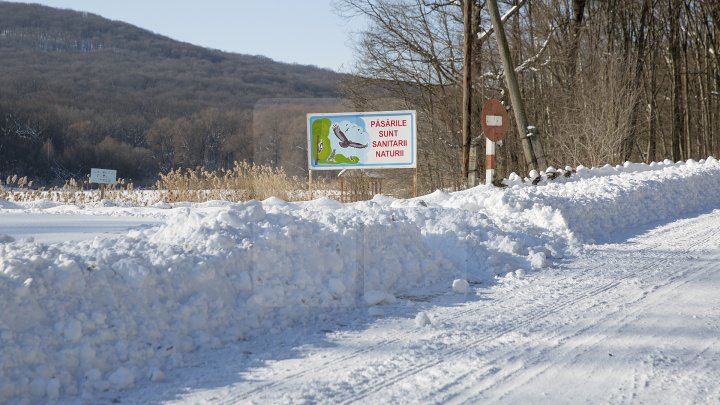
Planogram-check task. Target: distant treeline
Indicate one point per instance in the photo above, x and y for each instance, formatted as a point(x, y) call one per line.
point(80, 91)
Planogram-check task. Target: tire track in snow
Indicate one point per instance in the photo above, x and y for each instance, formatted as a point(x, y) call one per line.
point(694, 241)
point(341, 359)
point(699, 361)
point(566, 346)
point(699, 238)
point(393, 339)
point(495, 333)
point(640, 379)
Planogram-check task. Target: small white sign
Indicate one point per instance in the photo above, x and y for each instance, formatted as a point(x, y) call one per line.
point(103, 176)
point(493, 120)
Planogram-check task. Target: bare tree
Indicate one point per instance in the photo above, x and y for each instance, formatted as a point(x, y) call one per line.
point(675, 57)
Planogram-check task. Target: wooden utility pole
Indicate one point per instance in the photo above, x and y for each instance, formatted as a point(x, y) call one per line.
point(467, 89)
point(514, 89)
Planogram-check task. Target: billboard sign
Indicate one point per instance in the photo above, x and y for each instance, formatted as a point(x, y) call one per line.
point(365, 140)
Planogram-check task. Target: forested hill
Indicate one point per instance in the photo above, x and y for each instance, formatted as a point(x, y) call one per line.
point(79, 91)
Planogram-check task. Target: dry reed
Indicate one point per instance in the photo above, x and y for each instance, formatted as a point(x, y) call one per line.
point(20, 189)
point(245, 181)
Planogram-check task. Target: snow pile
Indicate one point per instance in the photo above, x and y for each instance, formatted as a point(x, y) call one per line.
point(422, 319)
point(461, 286)
point(81, 318)
point(597, 207)
point(592, 204)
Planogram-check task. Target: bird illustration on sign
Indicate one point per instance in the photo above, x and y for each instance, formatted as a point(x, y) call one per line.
point(344, 141)
point(342, 148)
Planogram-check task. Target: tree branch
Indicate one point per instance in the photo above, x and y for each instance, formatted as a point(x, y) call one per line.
point(525, 65)
point(483, 35)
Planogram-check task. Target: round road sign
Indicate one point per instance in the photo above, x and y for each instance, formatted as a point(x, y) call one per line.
point(494, 119)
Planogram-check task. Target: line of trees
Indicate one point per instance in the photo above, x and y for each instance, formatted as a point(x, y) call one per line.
point(79, 91)
point(604, 81)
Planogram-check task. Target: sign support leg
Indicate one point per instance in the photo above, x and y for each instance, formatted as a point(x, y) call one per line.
point(310, 189)
point(489, 161)
point(415, 182)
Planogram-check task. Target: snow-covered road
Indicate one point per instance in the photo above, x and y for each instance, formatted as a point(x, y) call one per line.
point(54, 228)
point(637, 320)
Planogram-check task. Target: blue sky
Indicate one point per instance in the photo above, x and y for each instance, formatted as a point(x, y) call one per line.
point(305, 32)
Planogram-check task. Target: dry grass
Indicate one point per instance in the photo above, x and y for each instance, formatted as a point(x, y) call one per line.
point(245, 181)
point(20, 189)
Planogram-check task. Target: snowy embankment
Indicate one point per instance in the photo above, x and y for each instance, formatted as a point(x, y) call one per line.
point(83, 317)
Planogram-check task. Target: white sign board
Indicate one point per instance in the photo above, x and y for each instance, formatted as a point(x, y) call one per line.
point(103, 176)
point(365, 140)
point(493, 120)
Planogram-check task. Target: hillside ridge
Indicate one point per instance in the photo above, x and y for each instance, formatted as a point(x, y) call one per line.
point(77, 90)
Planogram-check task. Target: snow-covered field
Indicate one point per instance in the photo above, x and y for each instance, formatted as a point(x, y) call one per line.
point(487, 294)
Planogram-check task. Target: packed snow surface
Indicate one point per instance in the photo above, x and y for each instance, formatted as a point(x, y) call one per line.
point(90, 315)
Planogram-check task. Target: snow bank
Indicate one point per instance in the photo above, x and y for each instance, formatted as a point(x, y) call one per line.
point(80, 318)
point(593, 204)
point(601, 202)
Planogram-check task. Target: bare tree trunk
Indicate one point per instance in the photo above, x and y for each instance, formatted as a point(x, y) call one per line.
point(478, 86)
point(639, 64)
point(652, 108)
point(711, 110)
point(578, 10)
point(686, 101)
point(716, 115)
point(675, 57)
point(703, 147)
point(467, 87)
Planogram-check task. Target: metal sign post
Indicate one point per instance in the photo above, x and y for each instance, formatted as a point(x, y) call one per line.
point(489, 161)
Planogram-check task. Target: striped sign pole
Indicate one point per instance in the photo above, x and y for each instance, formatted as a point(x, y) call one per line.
point(489, 161)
